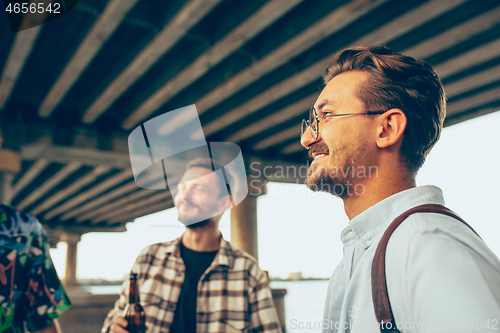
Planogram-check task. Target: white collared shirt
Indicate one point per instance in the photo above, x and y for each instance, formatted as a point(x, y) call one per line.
point(440, 275)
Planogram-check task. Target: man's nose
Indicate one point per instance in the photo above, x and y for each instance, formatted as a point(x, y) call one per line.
point(184, 193)
point(307, 139)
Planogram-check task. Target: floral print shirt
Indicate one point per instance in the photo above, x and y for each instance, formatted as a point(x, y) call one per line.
point(31, 294)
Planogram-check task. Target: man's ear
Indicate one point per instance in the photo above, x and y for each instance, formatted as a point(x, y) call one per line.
point(391, 128)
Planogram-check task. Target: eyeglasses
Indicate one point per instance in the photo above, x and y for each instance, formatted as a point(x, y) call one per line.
point(313, 122)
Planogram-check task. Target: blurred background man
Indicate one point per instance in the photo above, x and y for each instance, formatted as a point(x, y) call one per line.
point(199, 282)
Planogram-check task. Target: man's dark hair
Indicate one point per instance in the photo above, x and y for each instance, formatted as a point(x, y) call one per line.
point(208, 163)
point(402, 82)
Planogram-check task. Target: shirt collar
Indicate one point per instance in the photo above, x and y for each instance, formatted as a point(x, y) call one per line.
point(370, 223)
point(225, 256)
point(174, 248)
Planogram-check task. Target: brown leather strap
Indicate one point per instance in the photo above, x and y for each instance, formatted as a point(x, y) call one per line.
point(380, 297)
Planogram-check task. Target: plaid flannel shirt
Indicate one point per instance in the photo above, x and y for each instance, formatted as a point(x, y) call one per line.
point(233, 293)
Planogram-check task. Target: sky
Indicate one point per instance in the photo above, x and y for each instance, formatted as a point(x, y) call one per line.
point(299, 230)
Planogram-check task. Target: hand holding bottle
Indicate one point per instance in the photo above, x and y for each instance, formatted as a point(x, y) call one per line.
point(134, 320)
point(119, 326)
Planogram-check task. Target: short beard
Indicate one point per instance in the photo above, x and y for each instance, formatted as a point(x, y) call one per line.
point(338, 183)
point(328, 183)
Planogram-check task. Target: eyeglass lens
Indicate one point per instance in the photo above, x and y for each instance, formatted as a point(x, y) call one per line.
point(313, 122)
point(304, 126)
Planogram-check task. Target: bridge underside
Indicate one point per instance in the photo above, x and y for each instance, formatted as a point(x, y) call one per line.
point(72, 89)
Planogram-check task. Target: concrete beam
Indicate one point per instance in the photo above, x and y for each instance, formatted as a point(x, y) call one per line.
point(472, 82)
point(91, 193)
point(30, 175)
point(482, 98)
point(44, 135)
point(49, 184)
point(457, 118)
point(108, 197)
point(113, 206)
point(386, 33)
point(131, 216)
point(342, 16)
point(84, 156)
point(276, 118)
point(177, 28)
point(468, 59)
point(292, 148)
point(163, 197)
point(73, 188)
point(102, 30)
point(23, 45)
point(271, 95)
point(101, 200)
point(455, 35)
point(277, 138)
point(407, 22)
point(267, 14)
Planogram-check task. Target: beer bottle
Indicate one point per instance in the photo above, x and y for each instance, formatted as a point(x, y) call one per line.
point(134, 313)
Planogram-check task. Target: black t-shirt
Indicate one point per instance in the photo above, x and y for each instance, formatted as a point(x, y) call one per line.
point(185, 313)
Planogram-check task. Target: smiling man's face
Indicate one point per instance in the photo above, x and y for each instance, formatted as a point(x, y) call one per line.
point(198, 197)
point(343, 145)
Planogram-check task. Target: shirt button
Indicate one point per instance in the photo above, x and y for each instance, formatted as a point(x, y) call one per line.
point(366, 237)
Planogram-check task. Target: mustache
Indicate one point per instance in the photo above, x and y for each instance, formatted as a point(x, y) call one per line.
point(318, 147)
point(189, 202)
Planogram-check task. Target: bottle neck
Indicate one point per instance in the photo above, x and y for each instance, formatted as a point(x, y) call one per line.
point(133, 296)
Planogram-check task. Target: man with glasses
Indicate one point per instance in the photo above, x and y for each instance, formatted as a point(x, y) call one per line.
point(369, 132)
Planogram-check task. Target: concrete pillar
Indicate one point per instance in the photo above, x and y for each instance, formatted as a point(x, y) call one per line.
point(72, 240)
point(244, 215)
point(10, 165)
point(244, 237)
point(244, 226)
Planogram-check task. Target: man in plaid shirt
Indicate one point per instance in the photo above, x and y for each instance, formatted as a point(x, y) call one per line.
point(199, 282)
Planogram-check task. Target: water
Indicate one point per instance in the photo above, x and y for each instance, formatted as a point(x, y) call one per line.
point(304, 302)
point(103, 290)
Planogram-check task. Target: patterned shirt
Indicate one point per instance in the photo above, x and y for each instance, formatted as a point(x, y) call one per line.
point(30, 291)
point(233, 293)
